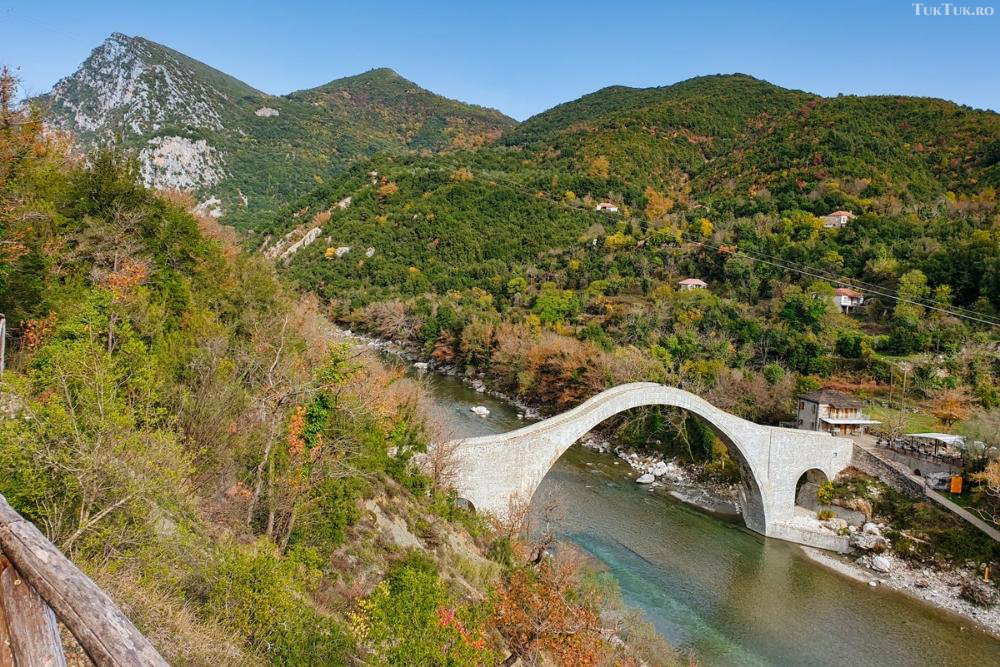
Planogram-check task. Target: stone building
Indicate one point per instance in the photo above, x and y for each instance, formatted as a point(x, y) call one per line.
point(831, 411)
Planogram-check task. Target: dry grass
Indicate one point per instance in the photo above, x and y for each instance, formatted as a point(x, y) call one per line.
point(174, 629)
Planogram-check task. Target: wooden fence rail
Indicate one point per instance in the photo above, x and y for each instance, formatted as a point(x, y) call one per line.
point(40, 580)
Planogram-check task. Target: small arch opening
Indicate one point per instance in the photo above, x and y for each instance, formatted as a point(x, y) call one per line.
point(807, 491)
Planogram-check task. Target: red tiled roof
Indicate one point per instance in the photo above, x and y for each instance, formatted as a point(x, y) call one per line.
point(847, 291)
point(840, 213)
point(692, 281)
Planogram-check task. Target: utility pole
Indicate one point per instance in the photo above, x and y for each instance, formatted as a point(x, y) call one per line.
point(3, 342)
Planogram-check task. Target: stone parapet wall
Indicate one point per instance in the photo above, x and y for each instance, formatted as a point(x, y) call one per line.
point(890, 472)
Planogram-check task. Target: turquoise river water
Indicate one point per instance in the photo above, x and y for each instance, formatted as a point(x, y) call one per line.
point(716, 590)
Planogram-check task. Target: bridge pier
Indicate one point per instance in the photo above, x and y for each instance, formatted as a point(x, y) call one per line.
point(497, 472)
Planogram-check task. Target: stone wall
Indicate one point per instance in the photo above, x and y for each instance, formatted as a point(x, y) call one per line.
point(812, 538)
point(887, 471)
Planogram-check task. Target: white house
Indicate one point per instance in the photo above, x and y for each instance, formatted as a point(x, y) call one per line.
point(692, 283)
point(606, 207)
point(847, 299)
point(837, 219)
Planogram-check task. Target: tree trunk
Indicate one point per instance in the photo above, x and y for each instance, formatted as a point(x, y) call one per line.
point(6, 650)
point(259, 483)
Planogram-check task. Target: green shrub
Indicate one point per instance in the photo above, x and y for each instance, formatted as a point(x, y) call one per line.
point(409, 619)
point(825, 493)
point(265, 599)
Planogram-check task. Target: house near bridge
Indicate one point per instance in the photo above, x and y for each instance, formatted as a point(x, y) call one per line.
point(832, 411)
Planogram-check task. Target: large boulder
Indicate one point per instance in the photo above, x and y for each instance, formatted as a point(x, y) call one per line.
point(979, 593)
point(648, 478)
point(660, 469)
point(868, 542)
point(871, 529)
point(881, 564)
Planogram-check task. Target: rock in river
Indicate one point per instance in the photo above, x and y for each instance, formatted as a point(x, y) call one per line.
point(648, 478)
point(480, 410)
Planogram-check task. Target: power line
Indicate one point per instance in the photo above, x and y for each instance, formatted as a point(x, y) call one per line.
point(788, 265)
point(860, 284)
point(817, 273)
point(890, 296)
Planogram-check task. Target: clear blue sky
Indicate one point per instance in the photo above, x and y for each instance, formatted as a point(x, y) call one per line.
point(524, 57)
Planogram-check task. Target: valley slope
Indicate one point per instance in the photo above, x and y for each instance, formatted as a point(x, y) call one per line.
point(196, 128)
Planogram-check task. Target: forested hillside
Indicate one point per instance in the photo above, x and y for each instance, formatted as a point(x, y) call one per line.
point(248, 488)
point(740, 145)
point(722, 178)
point(196, 128)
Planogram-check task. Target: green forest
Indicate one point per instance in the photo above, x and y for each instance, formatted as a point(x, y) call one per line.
point(186, 429)
point(181, 420)
point(499, 263)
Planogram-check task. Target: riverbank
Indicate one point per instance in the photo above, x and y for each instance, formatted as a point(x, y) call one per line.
point(933, 586)
point(691, 485)
point(687, 483)
point(407, 354)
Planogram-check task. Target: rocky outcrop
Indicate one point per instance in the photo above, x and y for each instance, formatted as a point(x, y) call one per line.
point(133, 87)
point(291, 243)
point(180, 163)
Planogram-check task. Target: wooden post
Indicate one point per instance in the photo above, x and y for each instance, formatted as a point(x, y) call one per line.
point(104, 632)
point(6, 647)
point(3, 342)
point(34, 634)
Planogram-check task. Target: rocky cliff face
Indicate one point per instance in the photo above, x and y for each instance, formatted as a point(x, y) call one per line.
point(195, 128)
point(152, 99)
point(133, 87)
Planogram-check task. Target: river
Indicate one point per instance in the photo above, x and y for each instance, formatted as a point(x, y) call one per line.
point(714, 589)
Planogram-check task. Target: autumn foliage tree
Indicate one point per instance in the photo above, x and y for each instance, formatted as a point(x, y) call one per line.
point(598, 168)
point(545, 609)
point(657, 204)
point(950, 406)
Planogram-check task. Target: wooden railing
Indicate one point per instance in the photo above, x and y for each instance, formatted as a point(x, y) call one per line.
point(38, 585)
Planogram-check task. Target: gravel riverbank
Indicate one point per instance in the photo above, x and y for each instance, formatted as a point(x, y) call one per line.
point(666, 475)
point(939, 588)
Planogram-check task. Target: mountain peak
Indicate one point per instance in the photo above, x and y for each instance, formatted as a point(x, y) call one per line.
point(194, 127)
point(132, 86)
point(384, 78)
point(381, 72)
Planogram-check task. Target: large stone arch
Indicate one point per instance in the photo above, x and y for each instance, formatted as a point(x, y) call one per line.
point(494, 471)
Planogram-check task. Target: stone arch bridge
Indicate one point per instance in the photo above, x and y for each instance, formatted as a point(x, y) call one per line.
point(495, 470)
